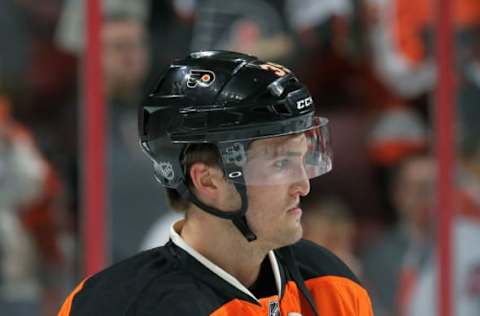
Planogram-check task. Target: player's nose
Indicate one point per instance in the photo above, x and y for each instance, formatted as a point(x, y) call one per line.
point(301, 186)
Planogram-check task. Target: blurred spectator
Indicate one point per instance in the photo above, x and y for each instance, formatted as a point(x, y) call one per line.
point(401, 37)
point(405, 75)
point(409, 244)
point(395, 132)
point(135, 199)
point(465, 288)
point(127, 59)
point(33, 234)
point(305, 16)
point(70, 31)
point(125, 56)
point(329, 222)
point(170, 22)
point(256, 27)
point(406, 256)
point(41, 82)
point(40, 76)
point(274, 30)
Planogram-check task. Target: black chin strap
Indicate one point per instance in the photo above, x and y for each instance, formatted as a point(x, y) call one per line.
point(238, 217)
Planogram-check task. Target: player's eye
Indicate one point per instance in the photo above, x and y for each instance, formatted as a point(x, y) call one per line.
point(282, 164)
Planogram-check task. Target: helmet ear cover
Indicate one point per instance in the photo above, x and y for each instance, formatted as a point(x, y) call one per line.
point(166, 157)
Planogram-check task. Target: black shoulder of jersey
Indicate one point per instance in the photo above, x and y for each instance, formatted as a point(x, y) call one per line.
point(148, 284)
point(317, 261)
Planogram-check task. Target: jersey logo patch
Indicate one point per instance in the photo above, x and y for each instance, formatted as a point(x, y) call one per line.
point(273, 309)
point(202, 78)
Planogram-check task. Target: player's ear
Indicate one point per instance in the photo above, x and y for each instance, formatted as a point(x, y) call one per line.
point(206, 181)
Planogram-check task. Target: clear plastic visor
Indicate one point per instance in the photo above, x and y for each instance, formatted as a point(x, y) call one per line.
point(284, 159)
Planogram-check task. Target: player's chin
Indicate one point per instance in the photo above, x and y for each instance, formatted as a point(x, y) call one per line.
point(294, 234)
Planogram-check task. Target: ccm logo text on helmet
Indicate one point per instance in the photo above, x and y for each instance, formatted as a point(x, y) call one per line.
point(202, 78)
point(304, 103)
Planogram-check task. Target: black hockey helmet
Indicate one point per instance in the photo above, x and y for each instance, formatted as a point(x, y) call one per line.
point(229, 99)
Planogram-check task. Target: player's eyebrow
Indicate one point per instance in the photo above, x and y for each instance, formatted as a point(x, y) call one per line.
point(273, 152)
point(289, 153)
point(290, 147)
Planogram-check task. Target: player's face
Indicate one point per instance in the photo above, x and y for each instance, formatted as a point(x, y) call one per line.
point(414, 192)
point(274, 212)
point(125, 54)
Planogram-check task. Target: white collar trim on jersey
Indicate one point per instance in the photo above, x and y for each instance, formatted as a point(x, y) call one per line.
point(178, 240)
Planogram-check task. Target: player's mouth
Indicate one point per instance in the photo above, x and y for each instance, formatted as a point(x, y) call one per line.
point(296, 210)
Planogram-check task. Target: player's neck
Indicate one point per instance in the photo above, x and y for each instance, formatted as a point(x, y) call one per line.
point(222, 244)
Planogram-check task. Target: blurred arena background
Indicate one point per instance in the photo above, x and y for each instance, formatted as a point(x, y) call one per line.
point(374, 69)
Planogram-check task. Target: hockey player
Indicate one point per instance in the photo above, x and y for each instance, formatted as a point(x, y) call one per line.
point(235, 141)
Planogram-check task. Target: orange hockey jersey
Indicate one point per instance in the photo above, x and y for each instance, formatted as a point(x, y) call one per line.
point(176, 280)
